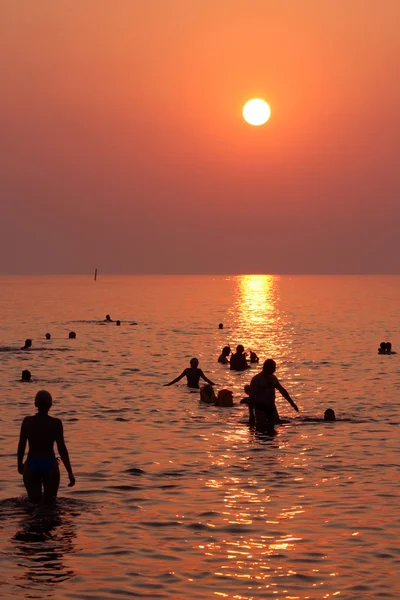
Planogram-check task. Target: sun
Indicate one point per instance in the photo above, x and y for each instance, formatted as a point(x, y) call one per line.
point(256, 112)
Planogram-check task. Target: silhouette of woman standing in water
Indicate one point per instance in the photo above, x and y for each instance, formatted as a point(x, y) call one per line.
point(41, 466)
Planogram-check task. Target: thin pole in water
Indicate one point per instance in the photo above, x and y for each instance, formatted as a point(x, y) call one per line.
point(95, 274)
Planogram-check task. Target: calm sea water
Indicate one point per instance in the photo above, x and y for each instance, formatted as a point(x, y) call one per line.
point(178, 500)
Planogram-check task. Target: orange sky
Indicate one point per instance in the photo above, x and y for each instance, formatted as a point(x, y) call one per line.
point(123, 145)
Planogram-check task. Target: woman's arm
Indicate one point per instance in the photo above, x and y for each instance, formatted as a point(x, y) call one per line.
point(62, 449)
point(23, 437)
point(176, 379)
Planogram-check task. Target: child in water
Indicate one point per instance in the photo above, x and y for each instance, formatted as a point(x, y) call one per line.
point(193, 375)
point(224, 397)
point(253, 357)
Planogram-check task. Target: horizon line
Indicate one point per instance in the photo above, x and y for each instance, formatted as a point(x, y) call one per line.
point(185, 274)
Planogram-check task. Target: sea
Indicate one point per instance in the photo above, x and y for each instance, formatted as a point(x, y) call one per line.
point(178, 499)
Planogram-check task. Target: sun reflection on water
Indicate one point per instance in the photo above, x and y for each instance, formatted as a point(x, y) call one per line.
point(262, 325)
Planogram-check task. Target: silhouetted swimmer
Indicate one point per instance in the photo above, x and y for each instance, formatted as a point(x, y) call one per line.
point(385, 348)
point(47, 336)
point(41, 466)
point(72, 335)
point(26, 376)
point(262, 406)
point(108, 319)
point(329, 415)
point(193, 375)
point(221, 326)
point(238, 360)
point(254, 358)
point(223, 357)
point(28, 344)
point(118, 323)
point(224, 398)
point(207, 394)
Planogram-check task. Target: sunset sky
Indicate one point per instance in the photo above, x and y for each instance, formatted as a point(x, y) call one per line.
point(123, 146)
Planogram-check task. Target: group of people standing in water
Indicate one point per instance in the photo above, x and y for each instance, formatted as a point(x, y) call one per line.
point(40, 471)
point(261, 391)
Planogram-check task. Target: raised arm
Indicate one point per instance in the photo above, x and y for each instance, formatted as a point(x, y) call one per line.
point(62, 449)
point(206, 378)
point(176, 379)
point(286, 395)
point(23, 437)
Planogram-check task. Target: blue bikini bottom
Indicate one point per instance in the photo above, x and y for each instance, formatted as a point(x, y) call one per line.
point(40, 466)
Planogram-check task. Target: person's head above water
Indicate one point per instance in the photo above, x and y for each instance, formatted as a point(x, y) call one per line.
point(226, 351)
point(329, 415)
point(72, 335)
point(26, 375)
point(388, 347)
point(221, 326)
point(382, 347)
point(269, 366)
point(43, 401)
point(118, 323)
point(28, 344)
point(108, 318)
point(240, 349)
point(47, 336)
point(194, 363)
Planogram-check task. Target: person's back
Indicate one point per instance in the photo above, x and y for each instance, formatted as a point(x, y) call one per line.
point(193, 375)
point(41, 431)
point(41, 466)
point(262, 388)
point(238, 360)
point(262, 394)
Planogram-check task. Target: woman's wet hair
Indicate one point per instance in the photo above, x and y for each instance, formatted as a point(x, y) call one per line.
point(43, 401)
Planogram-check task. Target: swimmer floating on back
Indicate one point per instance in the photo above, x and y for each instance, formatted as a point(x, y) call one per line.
point(41, 466)
point(193, 375)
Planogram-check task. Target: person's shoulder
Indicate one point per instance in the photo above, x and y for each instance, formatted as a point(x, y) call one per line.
point(26, 420)
point(256, 380)
point(55, 421)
